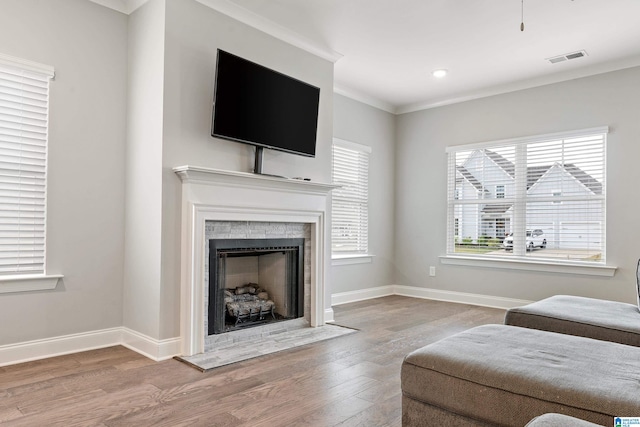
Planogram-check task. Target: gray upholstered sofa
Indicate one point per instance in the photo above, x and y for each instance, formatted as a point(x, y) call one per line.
point(506, 375)
point(585, 317)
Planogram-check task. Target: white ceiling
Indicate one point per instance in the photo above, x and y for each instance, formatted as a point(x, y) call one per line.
point(390, 47)
point(387, 49)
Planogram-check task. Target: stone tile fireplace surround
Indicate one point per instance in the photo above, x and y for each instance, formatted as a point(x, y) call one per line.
point(248, 272)
point(210, 197)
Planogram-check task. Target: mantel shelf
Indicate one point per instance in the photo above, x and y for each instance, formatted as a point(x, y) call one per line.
point(203, 175)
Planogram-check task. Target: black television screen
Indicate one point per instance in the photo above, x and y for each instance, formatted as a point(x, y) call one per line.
point(256, 105)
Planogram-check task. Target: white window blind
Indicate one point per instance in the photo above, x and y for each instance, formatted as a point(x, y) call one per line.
point(539, 197)
point(350, 202)
point(24, 97)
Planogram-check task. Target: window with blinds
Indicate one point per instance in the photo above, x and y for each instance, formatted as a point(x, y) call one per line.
point(540, 197)
point(24, 98)
point(350, 202)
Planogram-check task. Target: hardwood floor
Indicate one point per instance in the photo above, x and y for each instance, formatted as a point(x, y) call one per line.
point(347, 381)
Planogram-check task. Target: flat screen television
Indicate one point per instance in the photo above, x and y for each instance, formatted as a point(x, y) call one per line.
point(256, 105)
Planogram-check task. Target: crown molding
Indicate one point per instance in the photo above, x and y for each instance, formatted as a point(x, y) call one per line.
point(578, 73)
point(245, 16)
point(123, 6)
point(265, 25)
point(365, 99)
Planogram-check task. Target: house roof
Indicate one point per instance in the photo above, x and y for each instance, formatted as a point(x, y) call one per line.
point(534, 173)
point(469, 177)
point(587, 180)
point(496, 208)
point(499, 160)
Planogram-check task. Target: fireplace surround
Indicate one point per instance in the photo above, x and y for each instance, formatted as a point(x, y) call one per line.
point(216, 195)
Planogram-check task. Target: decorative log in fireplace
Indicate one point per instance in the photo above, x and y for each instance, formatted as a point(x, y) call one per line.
point(289, 304)
point(248, 304)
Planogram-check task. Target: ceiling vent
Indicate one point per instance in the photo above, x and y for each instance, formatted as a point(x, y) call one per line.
point(567, 56)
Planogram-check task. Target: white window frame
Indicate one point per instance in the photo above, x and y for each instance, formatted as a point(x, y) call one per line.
point(516, 262)
point(362, 155)
point(20, 77)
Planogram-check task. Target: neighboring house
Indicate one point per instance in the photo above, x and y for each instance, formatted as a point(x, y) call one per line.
point(567, 224)
point(492, 220)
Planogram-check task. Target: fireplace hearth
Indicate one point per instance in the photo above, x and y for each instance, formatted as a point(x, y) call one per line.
point(254, 281)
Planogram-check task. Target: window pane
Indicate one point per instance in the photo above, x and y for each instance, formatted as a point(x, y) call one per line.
point(484, 186)
point(533, 199)
point(350, 206)
point(572, 167)
point(23, 141)
point(572, 230)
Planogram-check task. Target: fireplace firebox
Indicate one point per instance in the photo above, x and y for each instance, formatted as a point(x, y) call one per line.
point(254, 281)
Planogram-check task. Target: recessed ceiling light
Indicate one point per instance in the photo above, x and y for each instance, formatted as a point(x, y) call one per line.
point(440, 73)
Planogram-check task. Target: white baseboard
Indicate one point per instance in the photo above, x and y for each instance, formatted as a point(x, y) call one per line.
point(459, 297)
point(12, 354)
point(361, 295)
point(328, 315)
point(427, 293)
point(58, 346)
point(154, 349)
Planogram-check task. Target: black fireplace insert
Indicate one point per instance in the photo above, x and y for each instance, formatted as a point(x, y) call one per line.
point(252, 304)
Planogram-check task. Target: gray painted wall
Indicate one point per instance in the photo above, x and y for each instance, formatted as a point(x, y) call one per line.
point(357, 122)
point(143, 159)
point(607, 99)
point(87, 45)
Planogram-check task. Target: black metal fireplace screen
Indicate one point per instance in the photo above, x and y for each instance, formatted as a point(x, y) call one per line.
point(249, 304)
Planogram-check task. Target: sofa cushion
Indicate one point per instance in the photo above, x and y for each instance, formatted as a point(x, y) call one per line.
point(558, 420)
point(507, 375)
point(585, 317)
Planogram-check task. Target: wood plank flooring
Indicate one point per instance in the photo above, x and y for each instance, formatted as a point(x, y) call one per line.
point(347, 381)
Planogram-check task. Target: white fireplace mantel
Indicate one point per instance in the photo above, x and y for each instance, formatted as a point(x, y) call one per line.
point(196, 174)
point(218, 195)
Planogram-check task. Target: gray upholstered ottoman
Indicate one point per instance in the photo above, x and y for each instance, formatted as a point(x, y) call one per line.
point(585, 317)
point(504, 375)
point(558, 420)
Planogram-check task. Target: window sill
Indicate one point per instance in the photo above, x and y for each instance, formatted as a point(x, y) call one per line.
point(530, 265)
point(351, 259)
point(27, 283)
